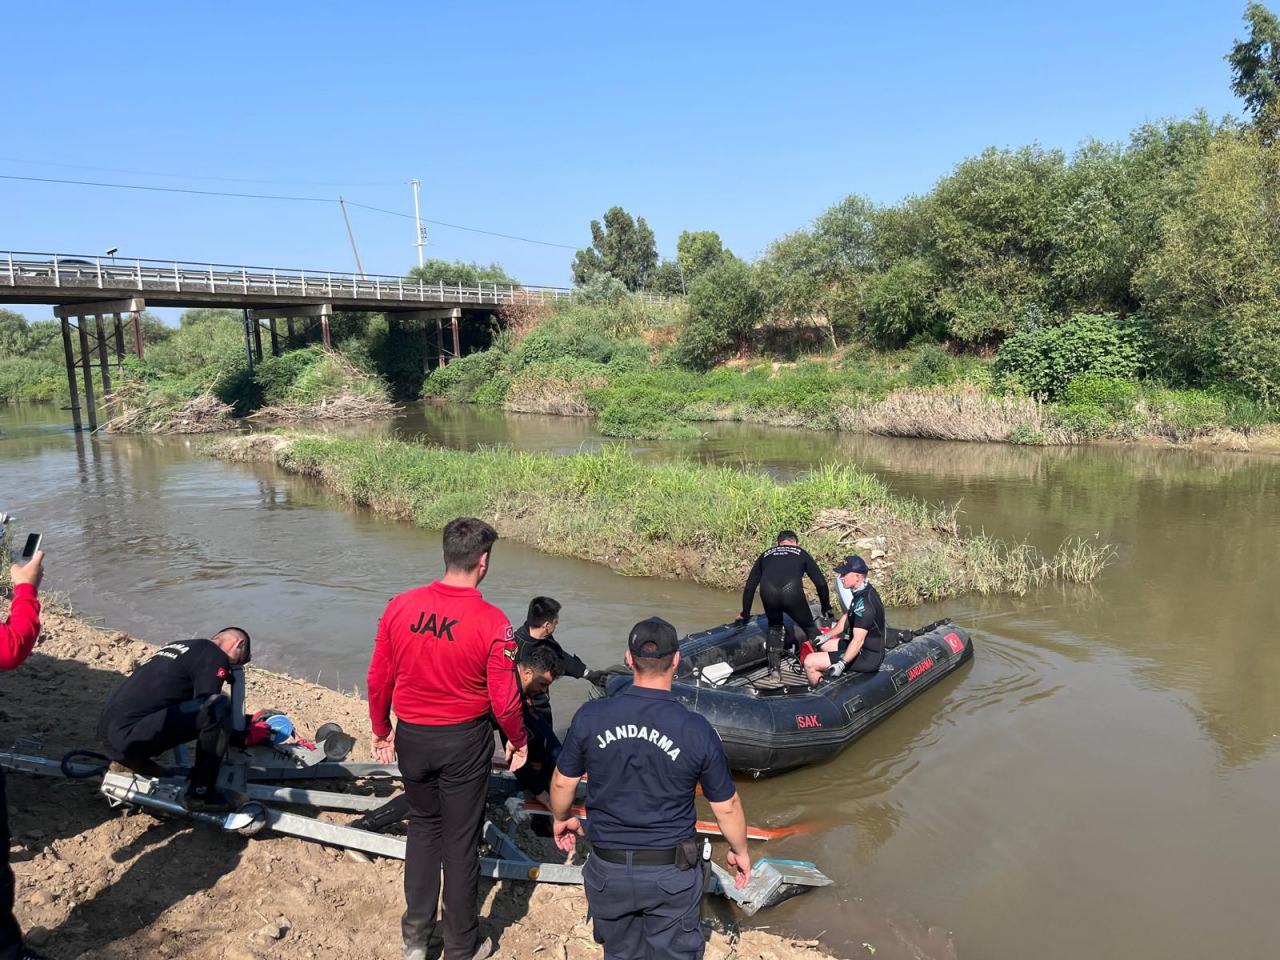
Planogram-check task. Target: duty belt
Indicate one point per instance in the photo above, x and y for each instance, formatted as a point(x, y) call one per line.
point(644, 858)
point(684, 855)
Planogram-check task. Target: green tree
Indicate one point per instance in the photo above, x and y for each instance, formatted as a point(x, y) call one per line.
point(698, 251)
point(993, 226)
point(461, 272)
point(725, 304)
point(1212, 282)
point(1255, 68)
point(14, 333)
point(622, 247)
point(901, 303)
point(822, 273)
point(667, 279)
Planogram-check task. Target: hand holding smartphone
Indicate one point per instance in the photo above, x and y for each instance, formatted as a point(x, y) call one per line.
point(29, 565)
point(30, 547)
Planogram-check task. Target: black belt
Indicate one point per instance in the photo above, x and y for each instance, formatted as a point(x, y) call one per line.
point(643, 858)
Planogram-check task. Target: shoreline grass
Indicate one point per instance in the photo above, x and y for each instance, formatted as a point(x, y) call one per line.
point(675, 521)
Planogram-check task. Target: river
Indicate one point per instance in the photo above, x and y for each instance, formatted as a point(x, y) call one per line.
point(1101, 782)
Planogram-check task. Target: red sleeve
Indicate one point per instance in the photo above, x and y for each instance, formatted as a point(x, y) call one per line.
point(504, 688)
point(18, 634)
point(382, 679)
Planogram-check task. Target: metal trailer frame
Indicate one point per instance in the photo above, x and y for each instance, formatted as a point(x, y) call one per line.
point(271, 777)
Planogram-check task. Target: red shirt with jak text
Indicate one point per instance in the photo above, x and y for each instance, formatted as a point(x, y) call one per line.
point(443, 656)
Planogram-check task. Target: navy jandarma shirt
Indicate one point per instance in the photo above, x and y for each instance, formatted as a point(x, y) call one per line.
point(644, 754)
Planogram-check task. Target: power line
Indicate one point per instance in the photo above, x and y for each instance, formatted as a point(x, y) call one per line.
point(455, 226)
point(194, 176)
point(138, 186)
point(270, 196)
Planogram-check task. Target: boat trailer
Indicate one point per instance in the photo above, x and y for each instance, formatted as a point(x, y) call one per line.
point(273, 777)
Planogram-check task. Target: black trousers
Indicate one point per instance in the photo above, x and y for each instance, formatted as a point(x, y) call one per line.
point(206, 721)
point(645, 913)
point(534, 776)
point(10, 932)
point(446, 779)
point(791, 602)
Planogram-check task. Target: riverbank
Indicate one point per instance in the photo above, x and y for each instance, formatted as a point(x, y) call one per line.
point(677, 521)
point(99, 884)
point(924, 393)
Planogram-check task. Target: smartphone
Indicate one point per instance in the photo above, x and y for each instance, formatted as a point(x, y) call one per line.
point(29, 549)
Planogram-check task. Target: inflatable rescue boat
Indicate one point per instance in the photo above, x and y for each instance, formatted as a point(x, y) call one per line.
point(771, 723)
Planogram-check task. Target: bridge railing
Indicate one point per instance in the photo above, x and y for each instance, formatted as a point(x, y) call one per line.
point(93, 272)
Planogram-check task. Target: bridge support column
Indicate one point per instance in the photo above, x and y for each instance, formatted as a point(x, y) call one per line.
point(275, 338)
point(104, 364)
point(138, 346)
point(72, 389)
point(81, 312)
point(118, 330)
point(86, 363)
point(322, 310)
point(438, 317)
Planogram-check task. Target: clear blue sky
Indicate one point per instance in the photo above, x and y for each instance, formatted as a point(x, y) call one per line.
point(533, 118)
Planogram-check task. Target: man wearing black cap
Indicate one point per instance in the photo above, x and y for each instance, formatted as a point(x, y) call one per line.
point(645, 755)
point(856, 642)
point(779, 573)
point(173, 697)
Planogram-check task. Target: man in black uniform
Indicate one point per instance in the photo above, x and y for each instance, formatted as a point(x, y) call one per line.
point(173, 697)
point(856, 642)
point(778, 572)
point(538, 630)
point(644, 755)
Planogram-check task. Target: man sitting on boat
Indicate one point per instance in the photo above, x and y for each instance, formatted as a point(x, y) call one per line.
point(856, 642)
point(779, 574)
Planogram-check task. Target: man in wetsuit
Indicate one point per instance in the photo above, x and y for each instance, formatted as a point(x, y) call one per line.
point(856, 642)
point(645, 754)
point(779, 573)
point(173, 697)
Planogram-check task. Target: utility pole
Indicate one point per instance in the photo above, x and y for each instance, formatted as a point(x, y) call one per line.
point(351, 236)
point(421, 241)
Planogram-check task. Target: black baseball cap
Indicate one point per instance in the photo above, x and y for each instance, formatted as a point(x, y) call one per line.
point(853, 564)
point(657, 631)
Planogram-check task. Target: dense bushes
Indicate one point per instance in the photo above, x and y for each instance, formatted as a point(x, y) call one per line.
point(1044, 359)
point(725, 303)
point(30, 378)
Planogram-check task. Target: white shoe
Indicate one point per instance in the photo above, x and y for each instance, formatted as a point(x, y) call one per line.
point(484, 950)
point(413, 952)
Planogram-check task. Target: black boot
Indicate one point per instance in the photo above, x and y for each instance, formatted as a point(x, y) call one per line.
point(773, 650)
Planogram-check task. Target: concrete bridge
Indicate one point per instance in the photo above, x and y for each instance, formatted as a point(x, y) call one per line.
point(86, 289)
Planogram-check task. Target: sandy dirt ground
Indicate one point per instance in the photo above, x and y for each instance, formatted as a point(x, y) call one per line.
point(105, 884)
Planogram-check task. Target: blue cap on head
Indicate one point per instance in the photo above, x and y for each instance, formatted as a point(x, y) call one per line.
point(852, 564)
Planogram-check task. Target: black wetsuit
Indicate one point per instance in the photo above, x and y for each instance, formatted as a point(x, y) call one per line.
point(778, 573)
point(567, 665)
point(173, 697)
point(866, 612)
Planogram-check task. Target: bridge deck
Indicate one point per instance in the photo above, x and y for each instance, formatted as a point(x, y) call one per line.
point(66, 279)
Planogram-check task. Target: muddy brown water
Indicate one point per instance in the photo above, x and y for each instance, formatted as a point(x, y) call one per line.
point(1101, 782)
